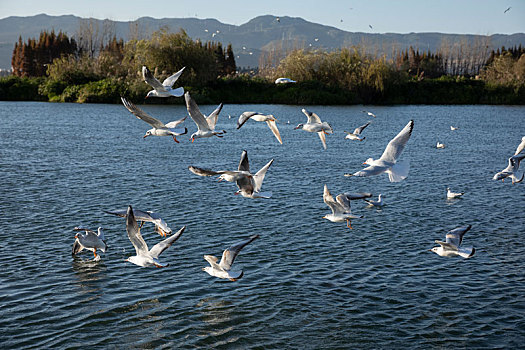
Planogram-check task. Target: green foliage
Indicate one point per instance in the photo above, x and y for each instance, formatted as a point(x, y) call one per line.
point(13, 88)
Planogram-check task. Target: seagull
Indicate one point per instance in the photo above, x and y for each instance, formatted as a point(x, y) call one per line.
point(440, 145)
point(145, 216)
point(284, 81)
point(452, 242)
point(205, 125)
point(314, 124)
point(521, 146)
point(222, 269)
point(89, 240)
point(452, 195)
point(397, 171)
point(370, 26)
point(377, 203)
point(370, 113)
point(165, 89)
point(453, 128)
point(258, 117)
point(507, 10)
point(356, 135)
point(340, 208)
point(159, 128)
point(250, 186)
point(146, 257)
point(512, 170)
point(278, 19)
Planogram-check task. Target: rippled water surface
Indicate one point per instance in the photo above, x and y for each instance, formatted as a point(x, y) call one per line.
point(308, 283)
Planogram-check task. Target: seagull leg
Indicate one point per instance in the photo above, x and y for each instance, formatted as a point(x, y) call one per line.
point(175, 139)
point(141, 224)
point(95, 252)
point(348, 224)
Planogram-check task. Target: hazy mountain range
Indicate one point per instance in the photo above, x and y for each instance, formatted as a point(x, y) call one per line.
point(248, 40)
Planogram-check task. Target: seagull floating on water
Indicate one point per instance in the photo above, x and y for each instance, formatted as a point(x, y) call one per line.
point(340, 208)
point(451, 246)
point(159, 128)
point(89, 240)
point(223, 268)
point(397, 171)
point(356, 135)
point(146, 257)
point(205, 125)
point(145, 216)
point(370, 113)
point(378, 203)
point(315, 124)
point(258, 117)
point(452, 195)
point(453, 128)
point(166, 88)
point(440, 145)
point(512, 170)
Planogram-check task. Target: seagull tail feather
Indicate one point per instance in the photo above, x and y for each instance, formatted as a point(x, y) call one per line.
point(399, 171)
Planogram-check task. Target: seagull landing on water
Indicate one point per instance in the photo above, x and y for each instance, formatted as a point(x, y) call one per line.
point(258, 117)
point(205, 125)
point(223, 268)
point(89, 240)
point(451, 195)
point(145, 216)
point(146, 257)
point(159, 128)
point(340, 208)
point(356, 135)
point(166, 88)
point(512, 170)
point(315, 124)
point(397, 171)
point(451, 246)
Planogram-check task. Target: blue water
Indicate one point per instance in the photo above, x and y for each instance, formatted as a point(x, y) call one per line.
point(309, 283)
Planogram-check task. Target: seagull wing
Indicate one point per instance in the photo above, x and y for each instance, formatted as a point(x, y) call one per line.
point(202, 171)
point(176, 123)
point(151, 80)
point(244, 164)
point(80, 228)
point(195, 113)
point(212, 118)
point(455, 236)
point(139, 214)
point(139, 113)
point(169, 81)
point(371, 170)
point(258, 178)
point(229, 255)
point(273, 127)
point(243, 118)
point(322, 136)
point(329, 200)
point(344, 202)
point(360, 129)
point(447, 246)
point(165, 244)
point(134, 233)
point(77, 247)
point(312, 117)
point(521, 146)
point(396, 146)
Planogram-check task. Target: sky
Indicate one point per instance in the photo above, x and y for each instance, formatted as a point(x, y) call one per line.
point(484, 17)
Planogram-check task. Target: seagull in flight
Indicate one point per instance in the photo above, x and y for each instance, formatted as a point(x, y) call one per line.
point(388, 163)
point(89, 240)
point(451, 246)
point(340, 208)
point(166, 88)
point(145, 216)
point(356, 135)
point(258, 117)
point(512, 170)
point(159, 128)
point(223, 268)
point(146, 257)
point(205, 125)
point(315, 124)
point(507, 10)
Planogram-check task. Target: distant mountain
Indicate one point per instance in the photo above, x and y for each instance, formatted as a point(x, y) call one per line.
point(249, 39)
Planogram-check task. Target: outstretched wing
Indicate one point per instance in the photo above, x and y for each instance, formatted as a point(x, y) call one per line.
point(360, 129)
point(259, 176)
point(202, 171)
point(165, 244)
point(139, 113)
point(77, 247)
point(151, 80)
point(273, 127)
point(229, 255)
point(244, 164)
point(455, 236)
point(213, 117)
point(195, 113)
point(312, 117)
point(344, 202)
point(243, 118)
point(176, 123)
point(370, 171)
point(169, 81)
point(396, 146)
point(329, 200)
point(323, 138)
point(134, 233)
point(521, 146)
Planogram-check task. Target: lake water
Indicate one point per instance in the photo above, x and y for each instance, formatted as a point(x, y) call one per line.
point(308, 283)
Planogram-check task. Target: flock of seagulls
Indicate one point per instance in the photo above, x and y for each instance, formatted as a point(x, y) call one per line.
point(249, 185)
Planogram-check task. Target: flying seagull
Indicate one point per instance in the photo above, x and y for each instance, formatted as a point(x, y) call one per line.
point(397, 171)
point(89, 240)
point(340, 208)
point(314, 124)
point(512, 170)
point(258, 117)
point(165, 89)
point(205, 125)
point(507, 10)
point(145, 216)
point(223, 268)
point(146, 257)
point(159, 128)
point(356, 135)
point(451, 246)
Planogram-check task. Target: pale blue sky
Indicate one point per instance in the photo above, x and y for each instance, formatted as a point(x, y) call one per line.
point(397, 16)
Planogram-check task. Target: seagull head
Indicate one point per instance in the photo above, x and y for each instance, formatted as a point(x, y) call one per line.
point(192, 138)
point(148, 133)
point(151, 93)
point(300, 126)
point(369, 161)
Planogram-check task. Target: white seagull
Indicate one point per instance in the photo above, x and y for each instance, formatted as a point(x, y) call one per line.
point(223, 268)
point(258, 117)
point(315, 124)
point(250, 186)
point(340, 208)
point(146, 257)
point(451, 246)
point(397, 171)
point(453, 128)
point(452, 195)
point(377, 203)
point(356, 135)
point(159, 128)
point(370, 113)
point(512, 170)
point(205, 125)
point(521, 146)
point(284, 81)
point(145, 216)
point(166, 88)
point(89, 240)
point(440, 145)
